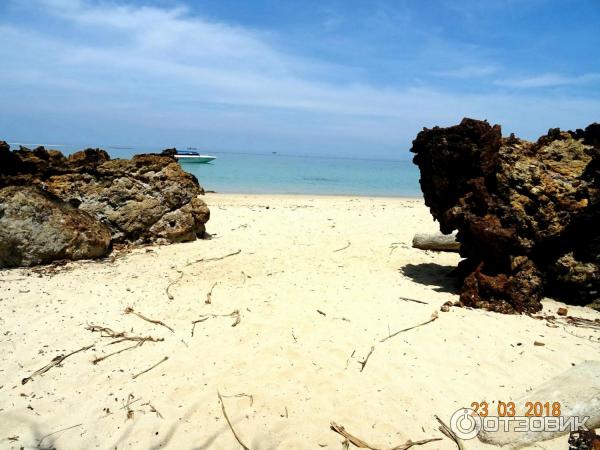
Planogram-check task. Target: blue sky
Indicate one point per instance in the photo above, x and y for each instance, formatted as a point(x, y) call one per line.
point(342, 78)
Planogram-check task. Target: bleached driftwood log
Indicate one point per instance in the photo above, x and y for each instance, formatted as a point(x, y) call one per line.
point(578, 392)
point(438, 242)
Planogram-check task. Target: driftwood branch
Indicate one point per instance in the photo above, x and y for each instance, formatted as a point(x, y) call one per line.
point(438, 242)
point(356, 441)
point(235, 435)
point(445, 429)
point(55, 362)
point(129, 310)
point(434, 316)
point(150, 368)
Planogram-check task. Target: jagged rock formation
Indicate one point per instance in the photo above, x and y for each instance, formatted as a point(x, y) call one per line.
point(527, 214)
point(37, 227)
point(148, 198)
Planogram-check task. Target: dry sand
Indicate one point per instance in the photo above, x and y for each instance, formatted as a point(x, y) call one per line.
point(309, 314)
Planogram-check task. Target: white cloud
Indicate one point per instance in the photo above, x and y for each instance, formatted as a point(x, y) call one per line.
point(550, 80)
point(162, 73)
point(469, 71)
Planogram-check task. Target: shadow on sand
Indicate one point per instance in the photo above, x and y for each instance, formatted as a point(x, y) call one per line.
point(432, 274)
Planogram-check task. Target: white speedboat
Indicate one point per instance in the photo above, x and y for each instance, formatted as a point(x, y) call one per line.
point(193, 157)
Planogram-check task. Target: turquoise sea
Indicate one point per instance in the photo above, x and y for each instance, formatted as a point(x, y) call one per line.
point(275, 174)
point(286, 174)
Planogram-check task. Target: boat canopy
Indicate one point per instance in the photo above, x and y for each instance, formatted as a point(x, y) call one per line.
point(187, 152)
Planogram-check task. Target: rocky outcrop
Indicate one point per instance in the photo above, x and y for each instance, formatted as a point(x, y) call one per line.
point(37, 227)
point(148, 198)
point(527, 213)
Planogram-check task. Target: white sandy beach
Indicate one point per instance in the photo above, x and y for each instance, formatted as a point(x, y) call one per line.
point(318, 282)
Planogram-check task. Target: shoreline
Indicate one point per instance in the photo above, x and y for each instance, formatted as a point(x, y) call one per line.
point(307, 196)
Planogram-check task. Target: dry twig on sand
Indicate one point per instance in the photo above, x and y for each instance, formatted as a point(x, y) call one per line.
point(153, 409)
point(364, 363)
point(449, 433)
point(102, 358)
point(178, 279)
point(580, 322)
point(434, 316)
point(214, 259)
point(343, 248)
point(197, 321)
point(130, 401)
point(129, 310)
point(43, 438)
point(362, 444)
point(121, 336)
point(235, 435)
point(577, 322)
point(348, 360)
point(406, 299)
point(150, 368)
point(208, 300)
point(172, 283)
point(57, 360)
point(591, 338)
point(235, 314)
point(105, 331)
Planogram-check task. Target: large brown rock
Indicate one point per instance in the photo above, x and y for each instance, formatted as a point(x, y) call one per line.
point(131, 196)
point(527, 214)
point(37, 227)
point(148, 198)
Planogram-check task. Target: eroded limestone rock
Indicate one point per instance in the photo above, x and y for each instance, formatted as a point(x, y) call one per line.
point(527, 213)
